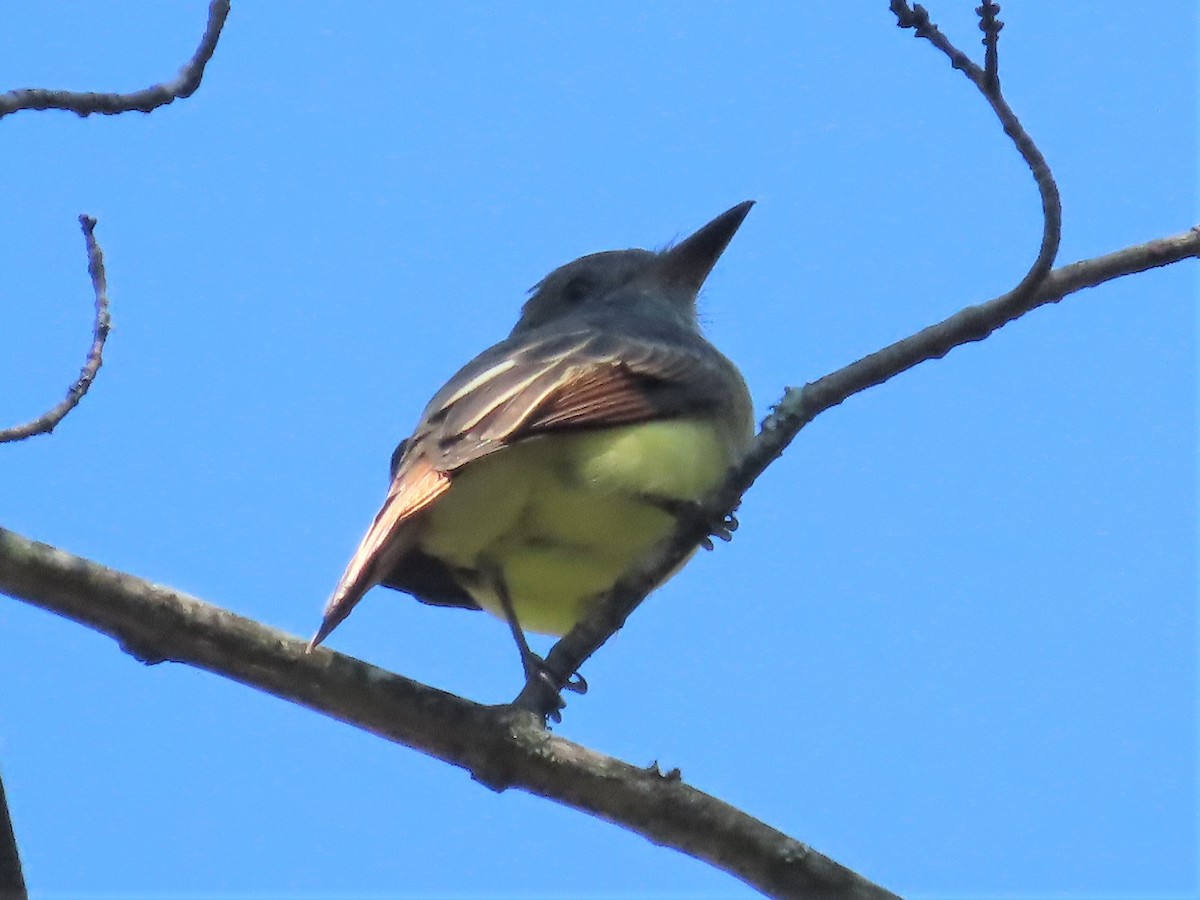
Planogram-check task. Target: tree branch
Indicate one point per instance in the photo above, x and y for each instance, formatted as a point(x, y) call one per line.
point(85, 103)
point(12, 882)
point(799, 407)
point(504, 747)
point(501, 747)
point(608, 615)
point(46, 423)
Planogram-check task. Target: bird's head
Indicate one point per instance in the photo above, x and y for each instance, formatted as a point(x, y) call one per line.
point(641, 283)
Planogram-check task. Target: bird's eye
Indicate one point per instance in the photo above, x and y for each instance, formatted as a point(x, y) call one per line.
point(577, 288)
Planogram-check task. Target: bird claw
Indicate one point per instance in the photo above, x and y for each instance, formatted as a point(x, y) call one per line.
point(542, 694)
point(722, 529)
point(576, 684)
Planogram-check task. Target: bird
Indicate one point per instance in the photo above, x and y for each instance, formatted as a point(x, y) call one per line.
point(557, 459)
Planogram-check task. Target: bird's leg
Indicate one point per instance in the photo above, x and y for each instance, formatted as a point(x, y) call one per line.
point(691, 511)
point(542, 693)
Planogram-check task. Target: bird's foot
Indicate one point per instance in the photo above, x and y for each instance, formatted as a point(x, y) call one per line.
point(692, 512)
point(542, 694)
point(722, 528)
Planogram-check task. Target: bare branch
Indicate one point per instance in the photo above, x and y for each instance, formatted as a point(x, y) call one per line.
point(972, 324)
point(500, 747)
point(46, 423)
point(84, 103)
point(504, 747)
point(799, 407)
point(987, 80)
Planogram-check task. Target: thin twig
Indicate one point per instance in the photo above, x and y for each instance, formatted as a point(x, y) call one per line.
point(972, 324)
point(85, 103)
point(12, 881)
point(46, 423)
point(499, 746)
point(990, 26)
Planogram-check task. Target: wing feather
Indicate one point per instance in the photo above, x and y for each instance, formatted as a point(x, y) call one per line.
point(577, 380)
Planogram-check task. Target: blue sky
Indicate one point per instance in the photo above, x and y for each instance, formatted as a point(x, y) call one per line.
point(953, 645)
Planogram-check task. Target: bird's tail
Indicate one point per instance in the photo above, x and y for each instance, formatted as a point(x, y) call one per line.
point(384, 544)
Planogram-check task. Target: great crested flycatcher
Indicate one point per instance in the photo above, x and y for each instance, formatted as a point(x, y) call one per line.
point(555, 460)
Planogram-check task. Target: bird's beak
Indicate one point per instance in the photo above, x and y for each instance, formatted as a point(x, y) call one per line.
point(688, 263)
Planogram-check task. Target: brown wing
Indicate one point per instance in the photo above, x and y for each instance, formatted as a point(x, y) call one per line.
point(515, 390)
point(577, 380)
point(648, 381)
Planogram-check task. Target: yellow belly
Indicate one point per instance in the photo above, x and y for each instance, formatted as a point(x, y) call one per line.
point(561, 517)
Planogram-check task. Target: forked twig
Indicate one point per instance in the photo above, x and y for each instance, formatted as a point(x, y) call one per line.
point(798, 408)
